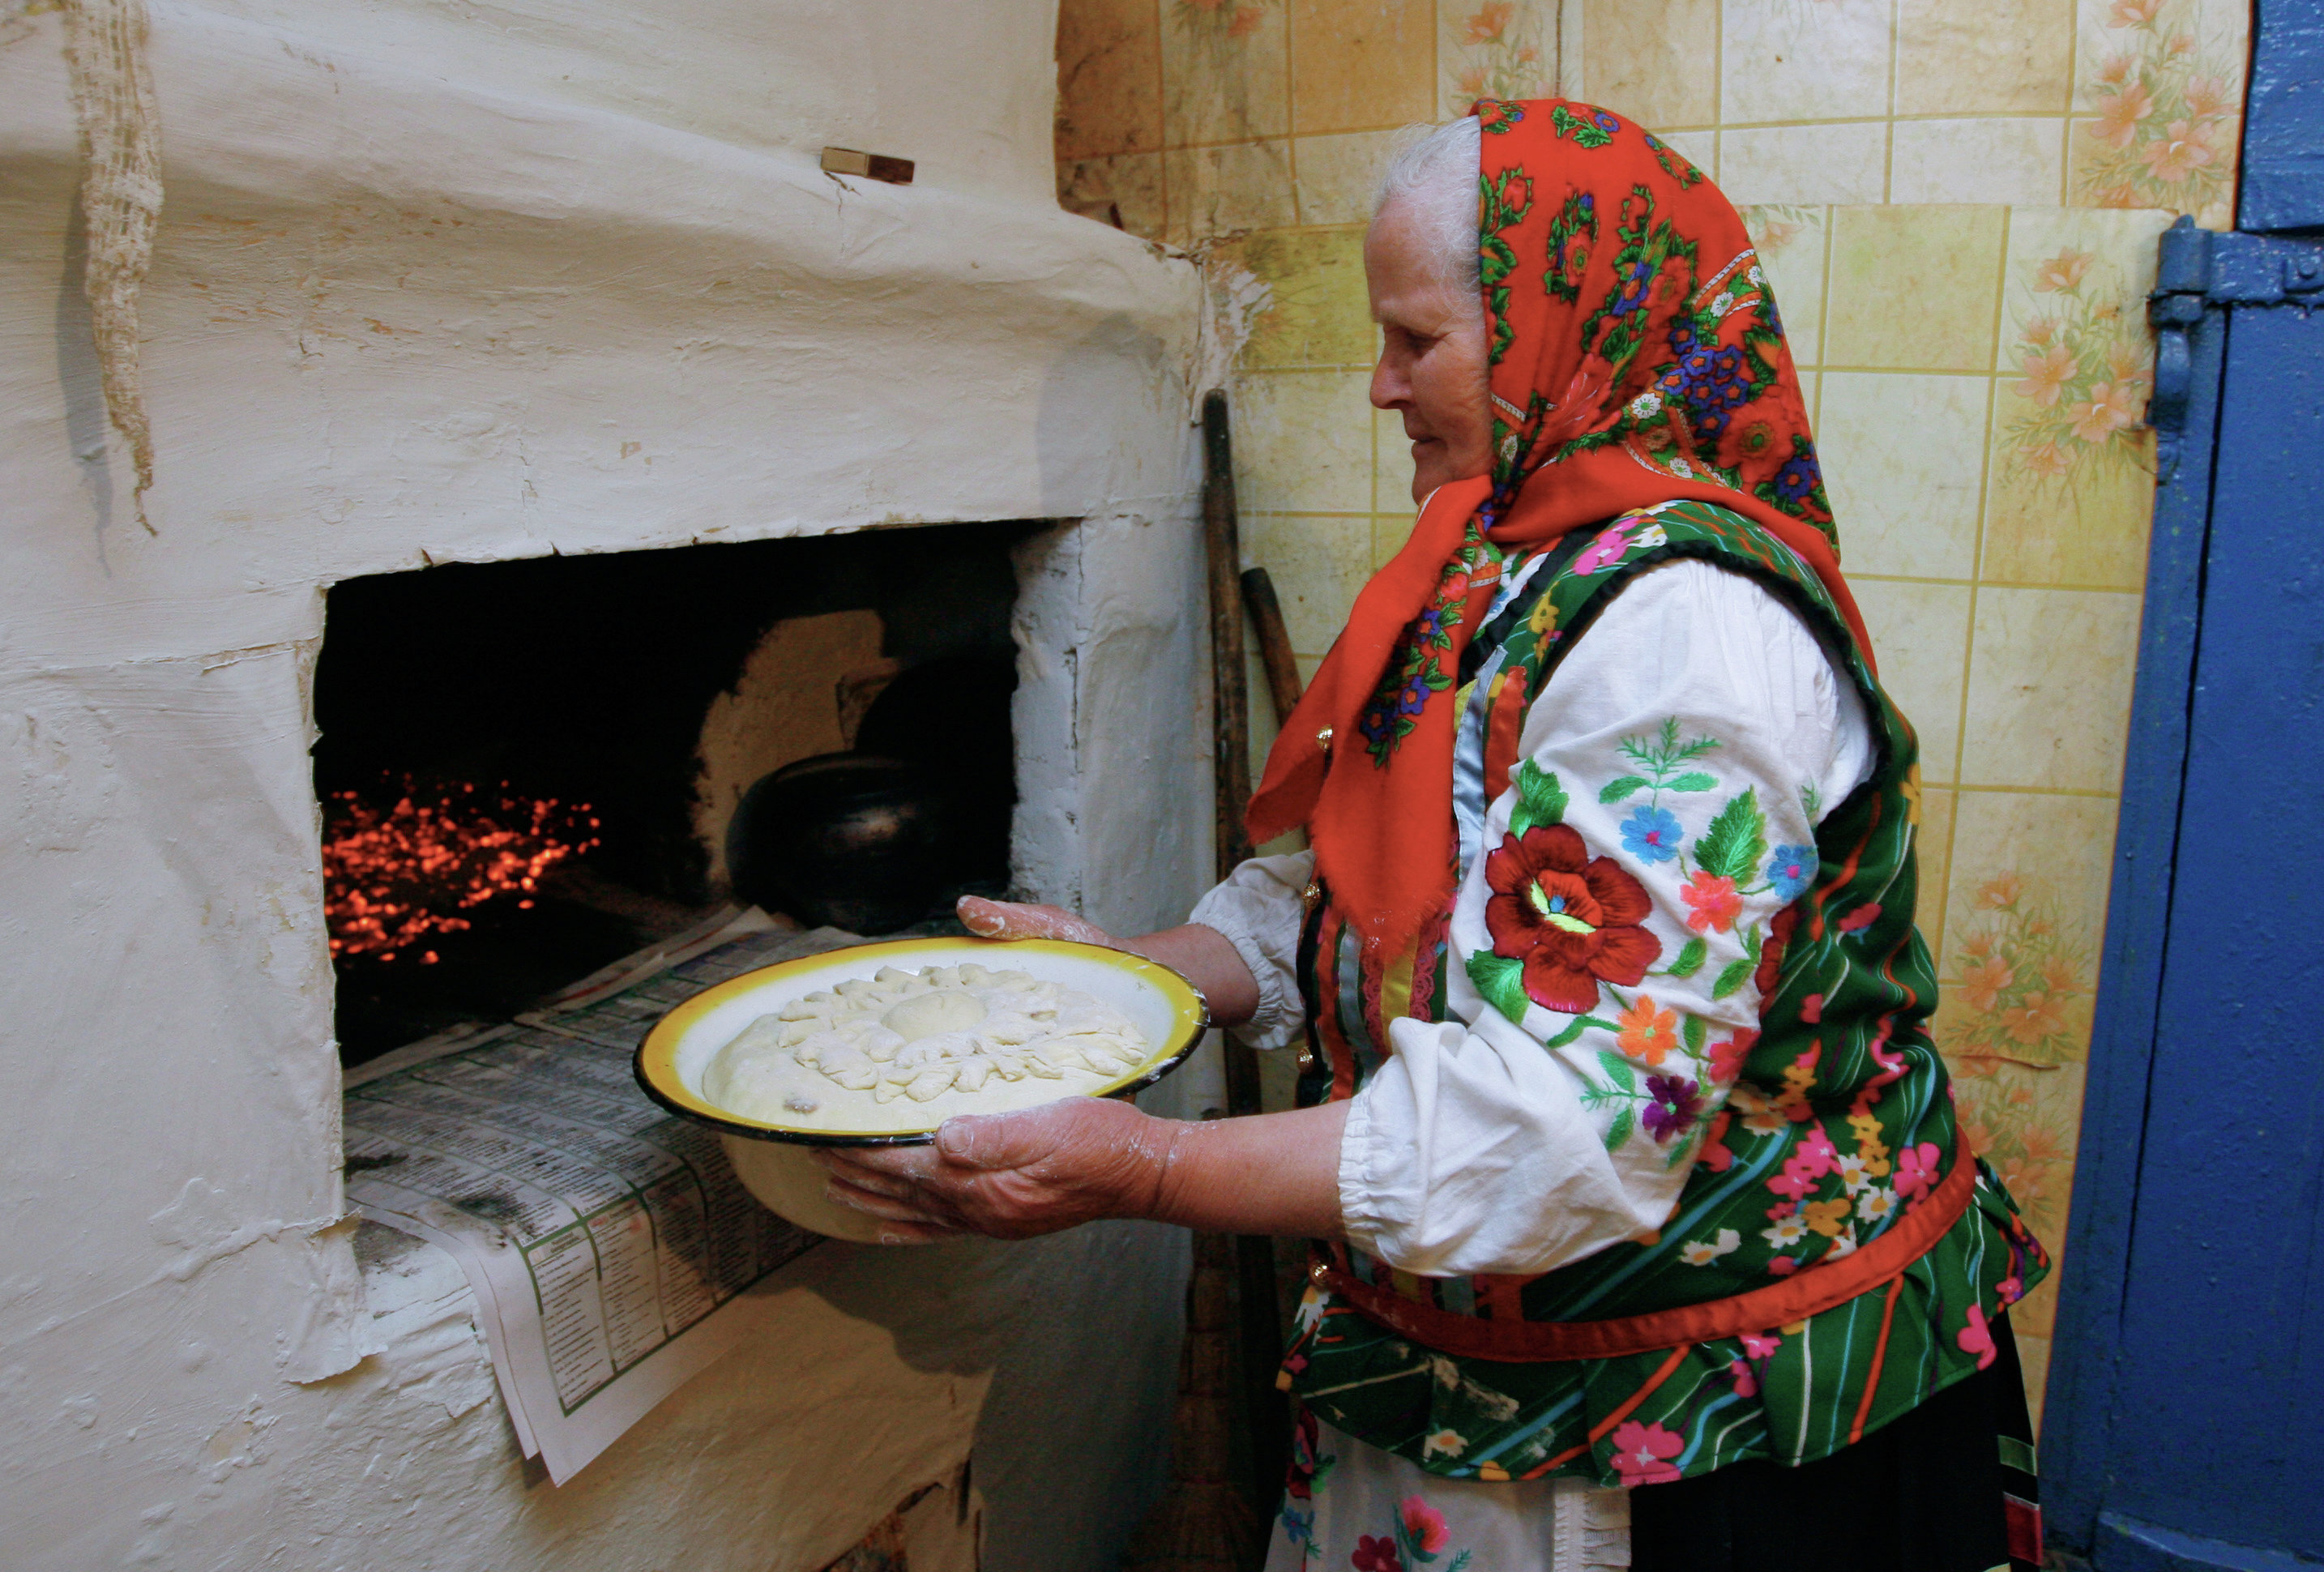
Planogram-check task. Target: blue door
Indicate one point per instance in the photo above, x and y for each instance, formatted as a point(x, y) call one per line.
point(2185, 1422)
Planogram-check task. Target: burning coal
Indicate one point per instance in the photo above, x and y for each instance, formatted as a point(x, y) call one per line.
point(393, 876)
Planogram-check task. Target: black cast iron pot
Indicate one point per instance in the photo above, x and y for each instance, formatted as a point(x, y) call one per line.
point(853, 841)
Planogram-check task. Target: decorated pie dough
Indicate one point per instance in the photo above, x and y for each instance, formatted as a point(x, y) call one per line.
point(905, 1050)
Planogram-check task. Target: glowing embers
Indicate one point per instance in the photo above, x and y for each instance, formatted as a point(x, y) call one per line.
point(393, 876)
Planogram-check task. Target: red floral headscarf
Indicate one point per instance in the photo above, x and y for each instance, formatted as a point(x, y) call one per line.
point(1637, 358)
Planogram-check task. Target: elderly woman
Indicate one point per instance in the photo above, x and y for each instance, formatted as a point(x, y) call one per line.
point(1644, 1233)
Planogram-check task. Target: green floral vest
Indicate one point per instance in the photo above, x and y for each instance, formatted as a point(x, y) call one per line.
point(1840, 1124)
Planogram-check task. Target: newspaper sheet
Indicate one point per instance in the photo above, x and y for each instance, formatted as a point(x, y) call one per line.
point(609, 1244)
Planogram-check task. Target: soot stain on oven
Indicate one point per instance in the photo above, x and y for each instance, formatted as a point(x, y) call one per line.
point(528, 769)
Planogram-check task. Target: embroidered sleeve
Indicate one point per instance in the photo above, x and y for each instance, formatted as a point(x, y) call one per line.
point(1259, 910)
point(1612, 935)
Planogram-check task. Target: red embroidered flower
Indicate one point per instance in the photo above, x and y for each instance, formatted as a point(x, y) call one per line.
point(1771, 957)
point(1642, 1454)
point(1571, 918)
point(1726, 1058)
point(1423, 1525)
point(1712, 904)
point(1376, 1555)
point(1714, 1155)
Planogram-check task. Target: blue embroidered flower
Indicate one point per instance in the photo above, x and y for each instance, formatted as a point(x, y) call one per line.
point(1652, 835)
point(1606, 121)
point(1791, 871)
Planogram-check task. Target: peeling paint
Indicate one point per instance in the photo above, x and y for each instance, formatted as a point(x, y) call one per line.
point(1233, 300)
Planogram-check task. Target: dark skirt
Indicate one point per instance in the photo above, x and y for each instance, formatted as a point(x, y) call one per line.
point(1950, 1487)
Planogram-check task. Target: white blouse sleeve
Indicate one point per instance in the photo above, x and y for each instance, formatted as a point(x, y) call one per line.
point(1687, 747)
point(1260, 912)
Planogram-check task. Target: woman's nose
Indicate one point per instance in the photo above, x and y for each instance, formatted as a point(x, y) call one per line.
point(1390, 389)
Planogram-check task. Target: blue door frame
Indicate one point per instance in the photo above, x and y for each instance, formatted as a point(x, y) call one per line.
point(2184, 1428)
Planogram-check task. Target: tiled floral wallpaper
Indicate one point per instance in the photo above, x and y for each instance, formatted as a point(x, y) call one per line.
point(1994, 488)
point(1957, 202)
point(1195, 118)
point(2036, 103)
point(1191, 118)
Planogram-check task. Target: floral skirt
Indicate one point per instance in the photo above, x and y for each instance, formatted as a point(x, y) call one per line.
point(1352, 1507)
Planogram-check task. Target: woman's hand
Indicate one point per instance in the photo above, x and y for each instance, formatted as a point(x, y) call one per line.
point(1203, 955)
point(1016, 919)
point(1075, 1161)
point(1011, 1176)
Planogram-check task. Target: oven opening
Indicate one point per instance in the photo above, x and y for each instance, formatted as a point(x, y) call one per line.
point(528, 770)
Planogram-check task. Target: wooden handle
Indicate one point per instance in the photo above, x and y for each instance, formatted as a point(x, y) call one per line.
point(1274, 641)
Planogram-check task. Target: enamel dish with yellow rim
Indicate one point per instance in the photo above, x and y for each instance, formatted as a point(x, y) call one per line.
point(1168, 1009)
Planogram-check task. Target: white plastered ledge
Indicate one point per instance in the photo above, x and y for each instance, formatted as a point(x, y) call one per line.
point(891, 1369)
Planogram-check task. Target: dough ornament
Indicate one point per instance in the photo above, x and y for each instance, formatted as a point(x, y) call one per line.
point(967, 1030)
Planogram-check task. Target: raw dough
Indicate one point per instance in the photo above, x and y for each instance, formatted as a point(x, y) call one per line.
point(867, 1054)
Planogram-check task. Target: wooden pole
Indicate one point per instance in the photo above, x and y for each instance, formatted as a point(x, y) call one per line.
point(1274, 641)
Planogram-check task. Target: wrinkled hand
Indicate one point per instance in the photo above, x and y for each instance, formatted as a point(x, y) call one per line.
point(1011, 1176)
point(1018, 920)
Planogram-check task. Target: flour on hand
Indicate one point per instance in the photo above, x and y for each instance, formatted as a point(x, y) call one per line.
point(975, 1038)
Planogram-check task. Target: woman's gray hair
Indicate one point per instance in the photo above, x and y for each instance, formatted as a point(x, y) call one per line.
point(1434, 174)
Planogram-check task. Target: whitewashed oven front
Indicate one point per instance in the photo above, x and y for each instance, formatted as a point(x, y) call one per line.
point(441, 283)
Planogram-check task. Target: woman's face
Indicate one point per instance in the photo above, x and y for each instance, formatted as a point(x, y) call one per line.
point(1432, 364)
